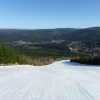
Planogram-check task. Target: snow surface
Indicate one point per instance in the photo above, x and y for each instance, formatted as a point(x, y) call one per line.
point(61, 80)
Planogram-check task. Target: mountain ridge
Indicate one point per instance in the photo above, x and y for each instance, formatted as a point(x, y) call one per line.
point(45, 35)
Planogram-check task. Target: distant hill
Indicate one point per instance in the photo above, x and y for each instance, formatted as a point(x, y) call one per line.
point(53, 42)
point(40, 35)
point(46, 35)
point(89, 35)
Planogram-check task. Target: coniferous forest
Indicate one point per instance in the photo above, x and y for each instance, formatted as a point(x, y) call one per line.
point(92, 60)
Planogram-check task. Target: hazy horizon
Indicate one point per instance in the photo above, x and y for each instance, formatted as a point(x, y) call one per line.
point(48, 28)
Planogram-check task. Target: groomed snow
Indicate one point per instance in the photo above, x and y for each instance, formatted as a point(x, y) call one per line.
point(61, 80)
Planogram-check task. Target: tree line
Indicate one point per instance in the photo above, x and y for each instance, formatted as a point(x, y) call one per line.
point(93, 60)
point(33, 57)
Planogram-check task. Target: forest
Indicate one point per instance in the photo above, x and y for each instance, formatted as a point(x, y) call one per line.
point(91, 60)
point(44, 46)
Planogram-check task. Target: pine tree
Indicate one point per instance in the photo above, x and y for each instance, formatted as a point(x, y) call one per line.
point(7, 55)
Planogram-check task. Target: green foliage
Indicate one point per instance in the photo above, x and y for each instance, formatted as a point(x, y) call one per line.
point(7, 55)
point(88, 35)
point(33, 53)
point(94, 60)
point(40, 35)
point(29, 56)
point(54, 46)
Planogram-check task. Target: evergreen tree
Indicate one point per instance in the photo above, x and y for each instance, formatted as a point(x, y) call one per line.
point(7, 55)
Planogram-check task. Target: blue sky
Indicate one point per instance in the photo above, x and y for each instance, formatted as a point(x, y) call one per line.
point(47, 14)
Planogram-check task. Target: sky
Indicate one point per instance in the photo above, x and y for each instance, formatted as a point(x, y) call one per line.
point(48, 14)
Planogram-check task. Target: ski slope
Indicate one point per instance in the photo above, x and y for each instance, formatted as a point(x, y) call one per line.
point(61, 80)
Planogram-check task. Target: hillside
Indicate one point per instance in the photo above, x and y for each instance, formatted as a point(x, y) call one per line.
point(84, 41)
point(40, 35)
point(88, 35)
point(44, 35)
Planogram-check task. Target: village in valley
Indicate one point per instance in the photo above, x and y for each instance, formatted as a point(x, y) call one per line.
point(74, 46)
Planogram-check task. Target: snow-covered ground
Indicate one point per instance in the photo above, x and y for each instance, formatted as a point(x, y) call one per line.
point(58, 81)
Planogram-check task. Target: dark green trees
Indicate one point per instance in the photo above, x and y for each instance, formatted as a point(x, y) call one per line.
point(93, 60)
point(7, 55)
